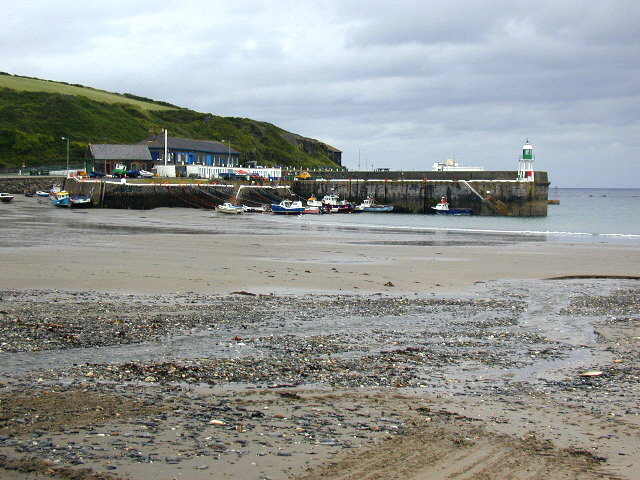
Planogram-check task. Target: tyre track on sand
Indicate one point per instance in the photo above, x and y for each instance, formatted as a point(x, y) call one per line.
point(460, 452)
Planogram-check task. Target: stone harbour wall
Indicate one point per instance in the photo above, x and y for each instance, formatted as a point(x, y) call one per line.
point(483, 197)
point(25, 184)
point(485, 193)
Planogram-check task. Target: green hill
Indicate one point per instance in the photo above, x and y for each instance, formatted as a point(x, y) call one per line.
point(35, 114)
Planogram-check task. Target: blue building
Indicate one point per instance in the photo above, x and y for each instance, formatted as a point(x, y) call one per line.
point(183, 151)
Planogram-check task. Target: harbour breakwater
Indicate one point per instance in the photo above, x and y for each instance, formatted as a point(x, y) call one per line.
point(483, 192)
point(488, 193)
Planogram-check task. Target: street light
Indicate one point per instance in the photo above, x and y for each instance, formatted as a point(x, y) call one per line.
point(65, 138)
point(359, 151)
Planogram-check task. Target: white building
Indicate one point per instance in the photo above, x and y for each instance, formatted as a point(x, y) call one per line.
point(450, 165)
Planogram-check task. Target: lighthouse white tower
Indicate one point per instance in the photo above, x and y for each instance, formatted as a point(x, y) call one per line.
point(525, 169)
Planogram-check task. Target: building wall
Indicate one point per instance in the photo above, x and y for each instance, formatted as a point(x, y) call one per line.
point(183, 157)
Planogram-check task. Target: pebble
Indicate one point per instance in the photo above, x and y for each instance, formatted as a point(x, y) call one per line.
point(412, 344)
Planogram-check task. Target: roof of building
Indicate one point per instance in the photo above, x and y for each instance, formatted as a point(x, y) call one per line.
point(109, 151)
point(185, 144)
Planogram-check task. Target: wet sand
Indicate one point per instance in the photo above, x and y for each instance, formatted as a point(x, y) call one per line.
point(435, 370)
point(298, 263)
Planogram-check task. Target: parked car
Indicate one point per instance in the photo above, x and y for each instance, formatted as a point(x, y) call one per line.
point(97, 174)
point(146, 174)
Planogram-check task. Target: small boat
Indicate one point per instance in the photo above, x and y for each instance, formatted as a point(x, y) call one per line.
point(313, 202)
point(370, 205)
point(80, 200)
point(332, 204)
point(229, 208)
point(61, 198)
point(313, 206)
point(42, 193)
point(443, 208)
point(6, 197)
point(288, 207)
point(254, 208)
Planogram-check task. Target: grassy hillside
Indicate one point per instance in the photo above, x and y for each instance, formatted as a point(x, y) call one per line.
point(27, 84)
point(35, 114)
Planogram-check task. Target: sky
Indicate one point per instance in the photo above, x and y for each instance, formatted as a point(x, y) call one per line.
point(397, 85)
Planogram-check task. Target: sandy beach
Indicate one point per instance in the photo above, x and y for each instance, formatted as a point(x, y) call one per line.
point(306, 356)
point(298, 263)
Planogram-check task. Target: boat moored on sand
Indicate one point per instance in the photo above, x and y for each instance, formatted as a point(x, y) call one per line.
point(6, 197)
point(370, 205)
point(254, 208)
point(333, 204)
point(313, 206)
point(288, 207)
point(230, 208)
point(60, 198)
point(80, 200)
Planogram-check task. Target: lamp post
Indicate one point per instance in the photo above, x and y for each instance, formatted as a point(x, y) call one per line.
point(359, 151)
point(67, 139)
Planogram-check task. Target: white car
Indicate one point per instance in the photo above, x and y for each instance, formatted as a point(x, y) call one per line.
point(145, 174)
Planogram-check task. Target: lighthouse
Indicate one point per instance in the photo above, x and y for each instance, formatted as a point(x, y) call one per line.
point(525, 169)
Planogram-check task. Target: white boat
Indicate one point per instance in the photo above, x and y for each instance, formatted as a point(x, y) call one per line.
point(288, 207)
point(313, 202)
point(6, 197)
point(229, 208)
point(254, 209)
point(370, 205)
point(42, 193)
point(333, 204)
point(80, 200)
point(314, 206)
point(443, 209)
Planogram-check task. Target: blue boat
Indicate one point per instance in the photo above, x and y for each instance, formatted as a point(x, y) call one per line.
point(60, 199)
point(370, 205)
point(287, 207)
point(443, 209)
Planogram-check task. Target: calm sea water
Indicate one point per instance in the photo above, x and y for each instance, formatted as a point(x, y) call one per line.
point(583, 215)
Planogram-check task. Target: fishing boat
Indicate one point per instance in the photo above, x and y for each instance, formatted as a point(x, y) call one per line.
point(333, 204)
point(370, 205)
point(80, 200)
point(60, 199)
point(42, 193)
point(6, 197)
point(313, 206)
point(230, 208)
point(287, 207)
point(443, 209)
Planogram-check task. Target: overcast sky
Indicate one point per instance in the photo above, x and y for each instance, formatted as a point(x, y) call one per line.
point(391, 84)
